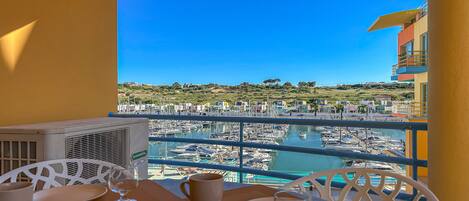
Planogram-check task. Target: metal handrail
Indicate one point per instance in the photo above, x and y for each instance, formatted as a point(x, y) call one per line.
point(417, 58)
point(419, 109)
point(414, 109)
point(318, 151)
point(413, 126)
point(275, 120)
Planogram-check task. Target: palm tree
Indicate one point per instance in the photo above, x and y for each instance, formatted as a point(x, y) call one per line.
point(340, 108)
point(315, 108)
point(314, 105)
point(362, 108)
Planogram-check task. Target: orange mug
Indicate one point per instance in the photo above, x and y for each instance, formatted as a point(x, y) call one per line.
point(204, 187)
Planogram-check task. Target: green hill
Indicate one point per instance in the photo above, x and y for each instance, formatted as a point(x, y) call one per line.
point(209, 93)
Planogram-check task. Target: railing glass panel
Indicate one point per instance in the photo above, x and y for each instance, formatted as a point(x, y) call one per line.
point(274, 150)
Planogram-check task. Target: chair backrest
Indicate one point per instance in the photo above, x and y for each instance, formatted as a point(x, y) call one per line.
point(55, 173)
point(364, 181)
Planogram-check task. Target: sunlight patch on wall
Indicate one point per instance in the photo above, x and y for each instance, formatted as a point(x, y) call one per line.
point(13, 43)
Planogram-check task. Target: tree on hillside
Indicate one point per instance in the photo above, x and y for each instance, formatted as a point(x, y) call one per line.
point(275, 81)
point(176, 85)
point(344, 87)
point(311, 84)
point(212, 85)
point(287, 85)
point(244, 84)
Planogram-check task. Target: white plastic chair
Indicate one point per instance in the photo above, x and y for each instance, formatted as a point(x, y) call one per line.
point(364, 181)
point(62, 172)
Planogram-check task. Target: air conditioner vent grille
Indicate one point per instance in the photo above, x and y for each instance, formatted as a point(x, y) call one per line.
point(16, 153)
point(107, 146)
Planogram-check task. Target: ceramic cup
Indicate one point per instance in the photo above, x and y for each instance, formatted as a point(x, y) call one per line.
point(19, 191)
point(204, 187)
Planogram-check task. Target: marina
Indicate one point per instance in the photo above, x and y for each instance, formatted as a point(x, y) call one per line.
point(375, 141)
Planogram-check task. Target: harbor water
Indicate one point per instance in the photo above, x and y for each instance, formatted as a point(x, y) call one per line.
point(282, 161)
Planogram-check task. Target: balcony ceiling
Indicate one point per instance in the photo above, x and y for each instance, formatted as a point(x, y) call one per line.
point(393, 19)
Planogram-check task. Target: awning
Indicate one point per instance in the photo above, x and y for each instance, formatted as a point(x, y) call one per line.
point(394, 19)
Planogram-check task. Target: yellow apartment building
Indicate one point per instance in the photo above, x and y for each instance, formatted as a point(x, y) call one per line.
point(412, 66)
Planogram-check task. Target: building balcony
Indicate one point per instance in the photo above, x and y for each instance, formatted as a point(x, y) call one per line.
point(412, 110)
point(419, 110)
point(412, 70)
point(76, 79)
point(394, 75)
point(244, 149)
point(413, 63)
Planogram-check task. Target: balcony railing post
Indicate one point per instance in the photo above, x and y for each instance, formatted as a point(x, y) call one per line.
point(414, 155)
point(241, 140)
point(415, 166)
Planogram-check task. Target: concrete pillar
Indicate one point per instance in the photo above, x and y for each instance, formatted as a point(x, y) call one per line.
point(449, 99)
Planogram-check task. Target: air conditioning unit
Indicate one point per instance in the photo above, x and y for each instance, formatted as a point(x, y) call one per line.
point(115, 140)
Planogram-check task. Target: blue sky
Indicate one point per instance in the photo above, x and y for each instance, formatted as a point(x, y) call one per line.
point(229, 42)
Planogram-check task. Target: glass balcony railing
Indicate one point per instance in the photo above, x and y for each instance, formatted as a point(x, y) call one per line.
point(402, 108)
point(424, 8)
point(412, 109)
point(415, 58)
point(276, 150)
point(394, 75)
point(411, 63)
point(419, 109)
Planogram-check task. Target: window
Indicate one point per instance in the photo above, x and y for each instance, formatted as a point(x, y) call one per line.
point(424, 42)
point(408, 48)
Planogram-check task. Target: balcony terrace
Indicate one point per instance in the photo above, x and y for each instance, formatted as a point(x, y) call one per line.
point(413, 110)
point(412, 63)
point(243, 142)
point(419, 110)
point(58, 62)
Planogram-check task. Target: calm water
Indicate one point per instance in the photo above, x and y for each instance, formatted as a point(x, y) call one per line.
point(288, 162)
point(300, 162)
